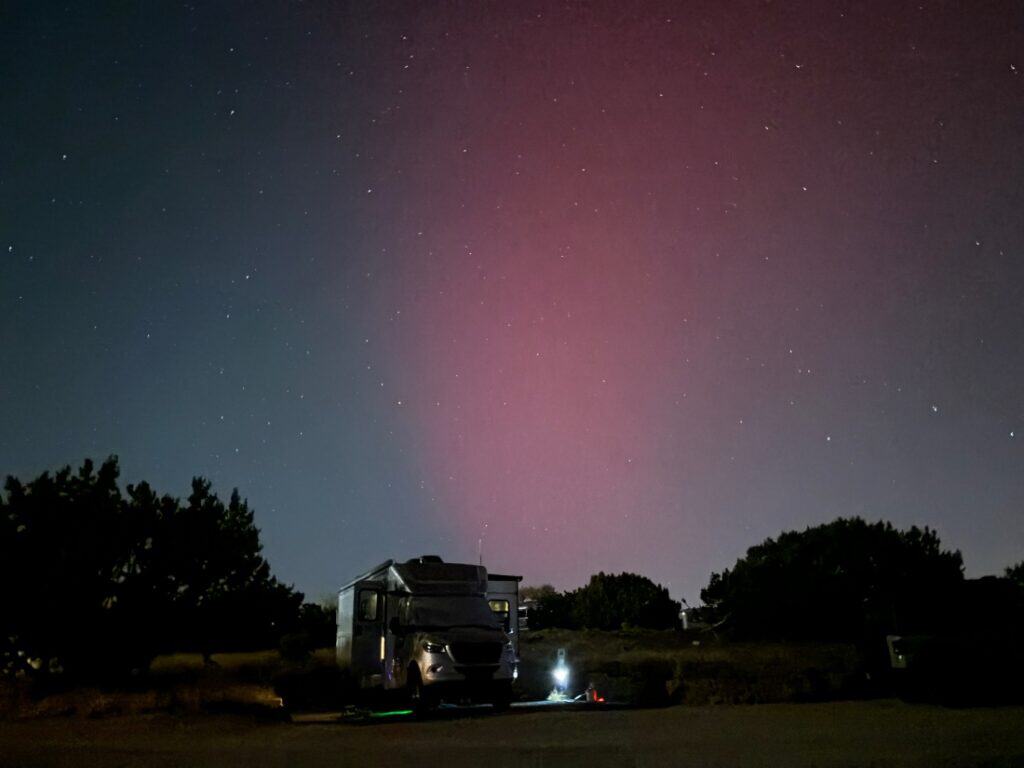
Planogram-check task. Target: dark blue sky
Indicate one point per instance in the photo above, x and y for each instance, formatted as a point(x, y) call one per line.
point(607, 286)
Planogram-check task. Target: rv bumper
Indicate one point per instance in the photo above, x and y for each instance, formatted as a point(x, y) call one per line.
point(445, 671)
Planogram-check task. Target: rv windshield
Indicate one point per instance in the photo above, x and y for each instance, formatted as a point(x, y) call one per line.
point(438, 612)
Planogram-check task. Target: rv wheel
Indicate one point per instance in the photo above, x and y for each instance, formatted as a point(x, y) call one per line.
point(502, 697)
point(421, 700)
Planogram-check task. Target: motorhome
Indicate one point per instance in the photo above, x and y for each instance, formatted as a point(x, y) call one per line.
point(432, 630)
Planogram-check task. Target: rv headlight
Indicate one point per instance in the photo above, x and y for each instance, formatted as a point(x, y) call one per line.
point(433, 646)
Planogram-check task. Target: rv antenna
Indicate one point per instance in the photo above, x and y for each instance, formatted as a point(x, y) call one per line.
point(480, 545)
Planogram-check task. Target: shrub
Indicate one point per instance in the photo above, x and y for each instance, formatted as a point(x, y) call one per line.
point(608, 601)
point(843, 581)
point(95, 584)
point(617, 601)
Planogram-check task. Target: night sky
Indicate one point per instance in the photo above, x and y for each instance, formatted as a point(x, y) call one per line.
point(590, 286)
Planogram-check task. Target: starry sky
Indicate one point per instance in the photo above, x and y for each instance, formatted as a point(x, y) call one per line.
point(581, 286)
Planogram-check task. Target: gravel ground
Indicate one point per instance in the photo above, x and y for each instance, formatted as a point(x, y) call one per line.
point(863, 733)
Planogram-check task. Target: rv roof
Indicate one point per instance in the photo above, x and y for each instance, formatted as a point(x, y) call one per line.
point(503, 577)
point(428, 574)
point(367, 574)
point(433, 576)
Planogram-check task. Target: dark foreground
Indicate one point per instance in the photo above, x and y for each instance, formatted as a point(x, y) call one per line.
point(876, 733)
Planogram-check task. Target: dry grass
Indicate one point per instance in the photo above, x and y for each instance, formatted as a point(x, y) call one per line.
point(640, 667)
point(178, 683)
point(657, 668)
point(184, 698)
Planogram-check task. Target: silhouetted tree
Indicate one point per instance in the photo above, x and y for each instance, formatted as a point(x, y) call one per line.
point(94, 583)
point(319, 622)
point(608, 601)
point(615, 601)
point(316, 628)
point(1015, 573)
point(846, 580)
point(552, 609)
point(536, 592)
point(225, 596)
point(61, 547)
point(143, 618)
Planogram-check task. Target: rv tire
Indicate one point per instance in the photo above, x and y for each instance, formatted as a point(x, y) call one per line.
point(421, 700)
point(502, 697)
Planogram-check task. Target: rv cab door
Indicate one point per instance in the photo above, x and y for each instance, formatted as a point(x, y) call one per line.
point(368, 634)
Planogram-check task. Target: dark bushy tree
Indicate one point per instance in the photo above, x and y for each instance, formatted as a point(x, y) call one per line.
point(846, 580)
point(608, 601)
point(1015, 573)
point(316, 628)
point(615, 601)
point(59, 567)
point(535, 593)
point(95, 583)
point(552, 609)
point(226, 597)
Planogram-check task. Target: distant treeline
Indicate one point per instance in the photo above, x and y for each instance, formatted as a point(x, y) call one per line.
point(608, 601)
point(95, 582)
point(845, 581)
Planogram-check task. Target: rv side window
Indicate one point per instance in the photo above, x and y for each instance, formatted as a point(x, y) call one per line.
point(500, 609)
point(369, 601)
point(404, 612)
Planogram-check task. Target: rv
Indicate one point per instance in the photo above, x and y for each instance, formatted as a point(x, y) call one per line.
point(432, 630)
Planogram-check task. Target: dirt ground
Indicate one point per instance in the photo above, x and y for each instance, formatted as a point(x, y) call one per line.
point(871, 733)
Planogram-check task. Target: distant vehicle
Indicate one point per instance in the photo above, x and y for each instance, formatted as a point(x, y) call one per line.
point(974, 659)
point(525, 606)
point(433, 630)
point(503, 600)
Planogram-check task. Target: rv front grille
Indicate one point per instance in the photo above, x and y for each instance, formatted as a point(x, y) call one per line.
point(475, 653)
